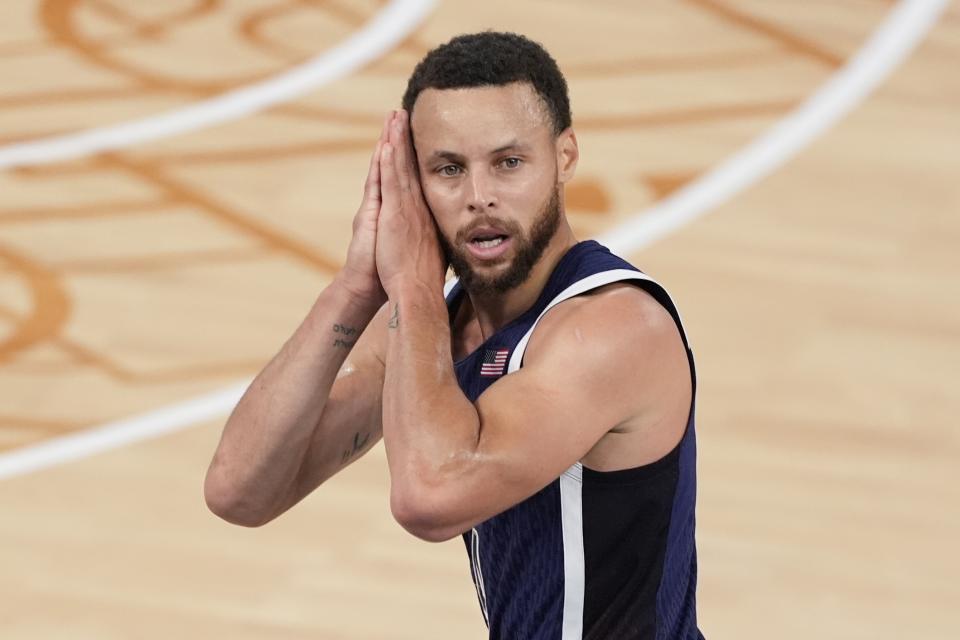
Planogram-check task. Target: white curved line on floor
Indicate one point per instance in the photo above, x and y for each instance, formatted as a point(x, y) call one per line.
point(890, 44)
point(901, 31)
point(380, 34)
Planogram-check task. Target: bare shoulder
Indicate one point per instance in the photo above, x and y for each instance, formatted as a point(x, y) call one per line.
point(620, 350)
point(616, 320)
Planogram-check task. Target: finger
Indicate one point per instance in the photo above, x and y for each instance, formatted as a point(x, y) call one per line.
point(389, 187)
point(398, 142)
point(371, 188)
point(413, 169)
point(391, 129)
point(385, 131)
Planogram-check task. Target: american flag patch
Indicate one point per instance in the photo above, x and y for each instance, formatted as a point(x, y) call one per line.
point(494, 361)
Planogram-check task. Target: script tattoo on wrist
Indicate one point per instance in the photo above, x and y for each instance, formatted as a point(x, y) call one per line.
point(395, 318)
point(346, 332)
point(355, 447)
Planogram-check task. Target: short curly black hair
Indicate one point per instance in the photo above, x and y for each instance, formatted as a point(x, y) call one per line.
point(492, 58)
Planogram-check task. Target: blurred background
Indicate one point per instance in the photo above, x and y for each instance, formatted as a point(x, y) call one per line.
point(177, 182)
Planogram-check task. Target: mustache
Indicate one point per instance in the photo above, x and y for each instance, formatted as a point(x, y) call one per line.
point(509, 226)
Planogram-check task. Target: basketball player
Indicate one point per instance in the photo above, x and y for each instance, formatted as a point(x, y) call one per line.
point(540, 405)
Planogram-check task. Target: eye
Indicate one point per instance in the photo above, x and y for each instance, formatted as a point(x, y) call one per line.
point(511, 163)
point(449, 170)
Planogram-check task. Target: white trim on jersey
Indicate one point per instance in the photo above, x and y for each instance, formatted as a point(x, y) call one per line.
point(478, 573)
point(582, 286)
point(574, 570)
point(449, 285)
point(571, 482)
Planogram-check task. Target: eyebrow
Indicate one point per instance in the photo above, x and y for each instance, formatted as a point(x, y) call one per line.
point(513, 144)
point(456, 157)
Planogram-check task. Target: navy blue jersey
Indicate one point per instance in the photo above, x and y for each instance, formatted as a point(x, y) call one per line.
point(594, 555)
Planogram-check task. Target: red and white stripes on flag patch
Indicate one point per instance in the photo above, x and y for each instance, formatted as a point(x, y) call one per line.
point(494, 362)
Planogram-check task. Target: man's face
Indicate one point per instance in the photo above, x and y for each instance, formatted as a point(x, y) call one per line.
point(488, 166)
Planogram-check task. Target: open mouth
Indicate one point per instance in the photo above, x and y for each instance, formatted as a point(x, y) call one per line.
point(489, 246)
point(489, 241)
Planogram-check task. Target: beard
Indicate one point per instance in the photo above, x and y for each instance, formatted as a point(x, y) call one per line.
point(528, 250)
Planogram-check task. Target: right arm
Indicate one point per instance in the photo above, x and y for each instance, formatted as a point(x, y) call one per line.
point(299, 422)
point(316, 406)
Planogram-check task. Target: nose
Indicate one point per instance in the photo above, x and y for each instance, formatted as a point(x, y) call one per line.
point(480, 197)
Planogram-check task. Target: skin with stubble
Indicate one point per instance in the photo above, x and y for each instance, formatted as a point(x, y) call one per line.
point(490, 175)
point(529, 248)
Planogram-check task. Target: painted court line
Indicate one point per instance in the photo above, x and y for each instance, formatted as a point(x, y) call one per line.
point(890, 44)
point(373, 39)
point(150, 424)
point(887, 47)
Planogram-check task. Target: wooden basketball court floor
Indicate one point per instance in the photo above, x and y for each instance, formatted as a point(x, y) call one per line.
point(822, 304)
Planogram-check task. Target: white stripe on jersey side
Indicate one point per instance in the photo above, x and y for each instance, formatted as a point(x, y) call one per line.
point(478, 573)
point(574, 570)
point(581, 286)
point(571, 482)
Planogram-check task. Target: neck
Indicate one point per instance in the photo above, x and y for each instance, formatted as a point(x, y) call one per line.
point(494, 311)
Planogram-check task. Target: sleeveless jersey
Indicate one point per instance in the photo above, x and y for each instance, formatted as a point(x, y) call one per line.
point(594, 555)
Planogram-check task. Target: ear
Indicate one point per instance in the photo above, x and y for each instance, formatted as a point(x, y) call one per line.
point(568, 154)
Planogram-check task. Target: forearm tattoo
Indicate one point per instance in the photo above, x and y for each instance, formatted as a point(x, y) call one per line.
point(395, 318)
point(347, 332)
point(355, 447)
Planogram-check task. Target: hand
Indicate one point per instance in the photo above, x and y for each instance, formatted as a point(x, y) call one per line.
point(359, 274)
point(408, 250)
